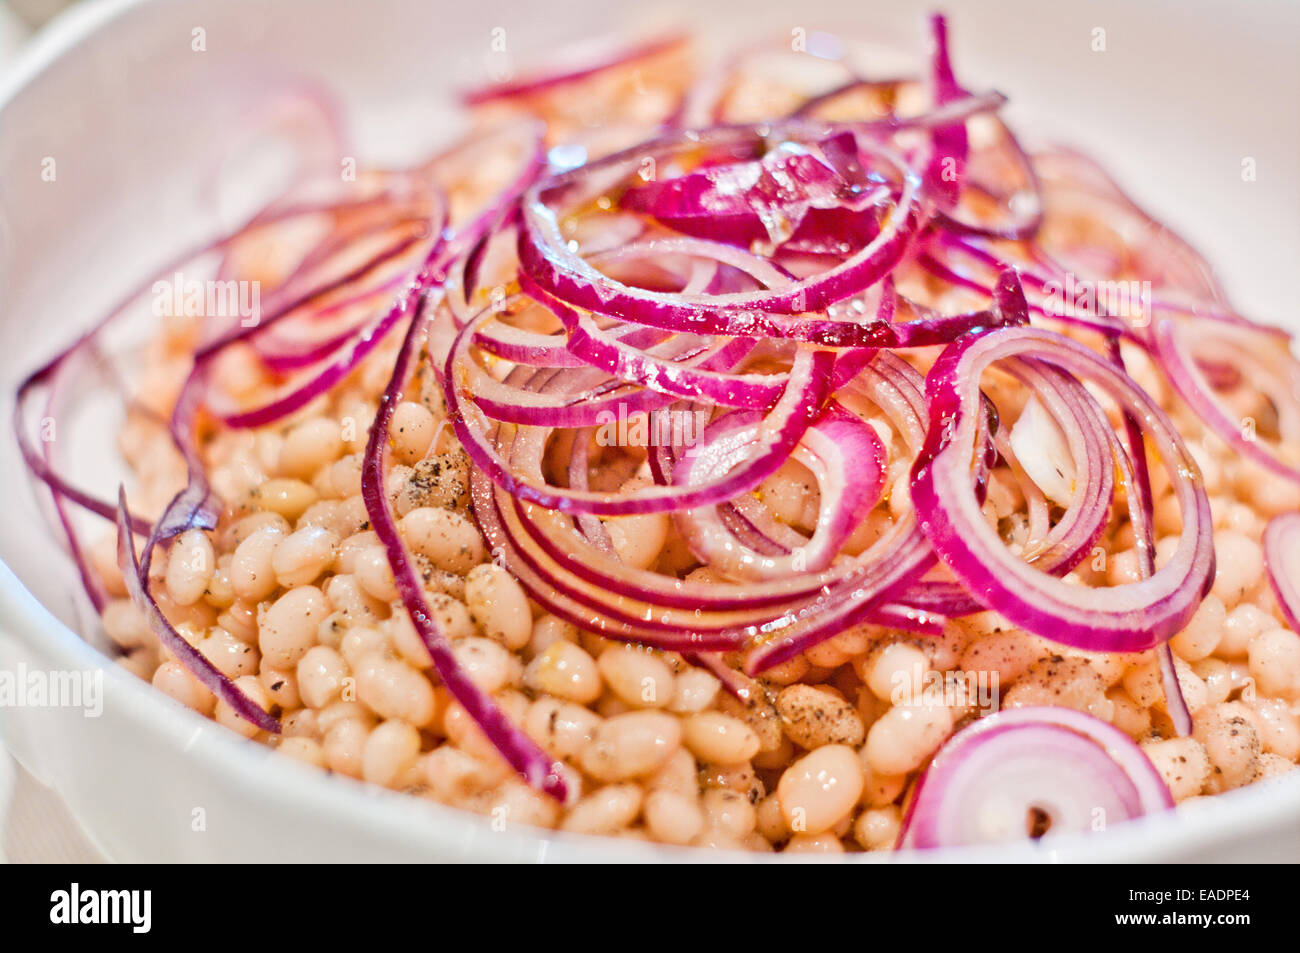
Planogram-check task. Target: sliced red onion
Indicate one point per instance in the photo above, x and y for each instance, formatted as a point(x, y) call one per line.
point(956, 168)
point(564, 595)
point(683, 365)
point(40, 466)
point(1282, 554)
point(322, 381)
point(451, 239)
point(946, 170)
point(618, 612)
point(846, 458)
point(286, 355)
point(574, 576)
point(48, 373)
point(610, 60)
point(549, 261)
point(136, 576)
point(1181, 344)
point(888, 382)
point(597, 592)
point(1142, 519)
point(60, 376)
point(800, 404)
point(314, 332)
point(1147, 249)
point(1022, 772)
point(536, 767)
point(1086, 430)
point(573, 564)
point(871, 588)
point(992, 207)
point(971, 261)
point(691, 381)
point(519, 346)
point(790, 194)
point(957, 110)
point(193, 506)
point(1125, 618)
point(730, 264)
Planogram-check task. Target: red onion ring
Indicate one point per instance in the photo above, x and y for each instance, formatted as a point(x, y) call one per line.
point(1264, 360)
point(518, 749)
point(530, 86)
point(1126, 618)
point(837, 450)
point(800, 404)
point(946, 170)
point(547, 259)
point(1151, 250)
point(1059, 765)
point(1282, 554)
point(136, 576)
point(551, 557)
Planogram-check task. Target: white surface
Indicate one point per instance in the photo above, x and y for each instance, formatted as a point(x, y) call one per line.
point(39, 829)
point(7, 770)
point(115, 93)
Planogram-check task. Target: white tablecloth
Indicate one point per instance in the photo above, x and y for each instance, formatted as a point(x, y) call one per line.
point(38, 828)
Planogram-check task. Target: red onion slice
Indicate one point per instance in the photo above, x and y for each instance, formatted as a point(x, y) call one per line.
point(48, 373)
point(1012, 774)
point(972, 261)
point(888, 382)
point(805, 394)
point(136, 576)
point(610, 60)
point(779, 198)
point(1142, 519)
point(846, 458)
point(57, 386)
point(1124, 618)
point(320, 382)
point(1282, 554)
point(606, 611)
point(547, 258)
point(1073, 184)
point(574, 576)
point(536, 767)
point(989, 206)
point(946, 170)
point(612, 369)
point(1182, 344)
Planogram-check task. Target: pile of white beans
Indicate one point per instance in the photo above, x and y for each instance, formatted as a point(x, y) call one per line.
point(292, 598)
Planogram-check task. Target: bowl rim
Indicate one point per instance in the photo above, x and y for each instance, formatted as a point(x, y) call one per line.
point(262, 772)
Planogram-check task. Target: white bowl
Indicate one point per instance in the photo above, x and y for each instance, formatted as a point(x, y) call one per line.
point(117, 96)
